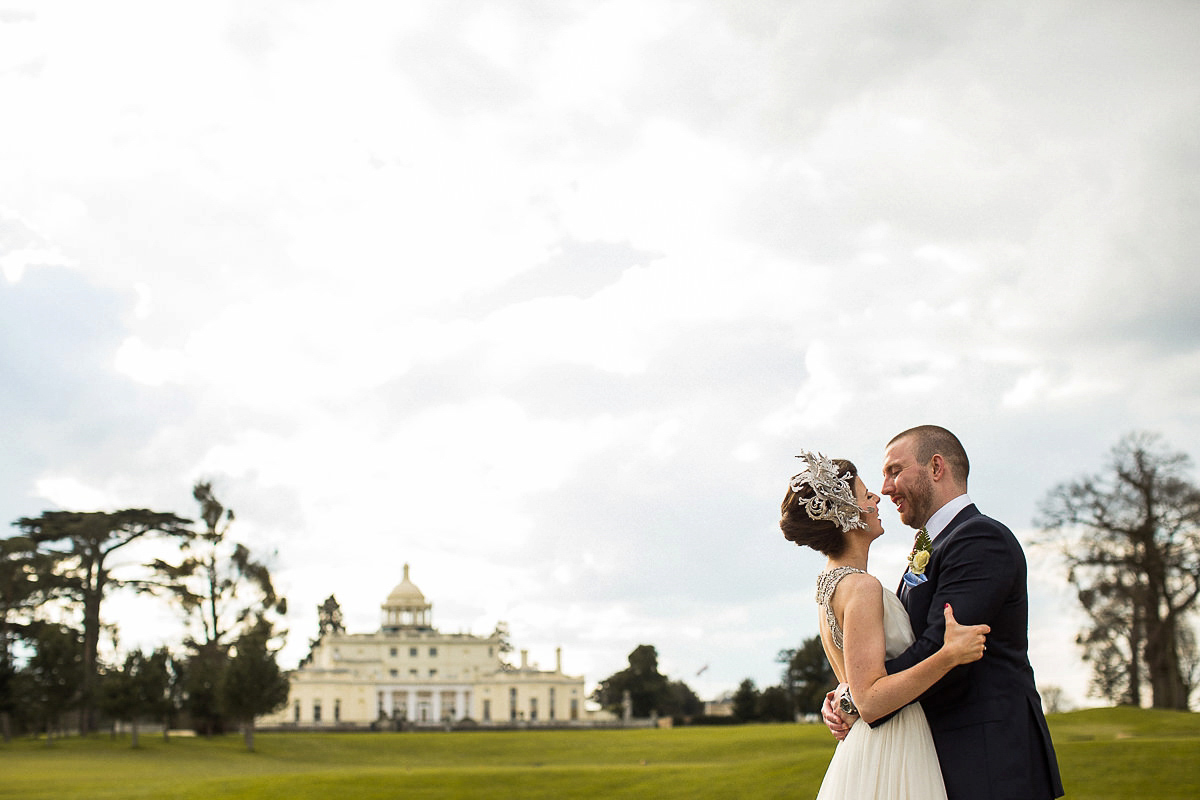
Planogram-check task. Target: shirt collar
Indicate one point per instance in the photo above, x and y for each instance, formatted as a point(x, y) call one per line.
point(942, 517)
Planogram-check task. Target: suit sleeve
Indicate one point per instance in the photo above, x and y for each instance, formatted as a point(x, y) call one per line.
point(975, 575)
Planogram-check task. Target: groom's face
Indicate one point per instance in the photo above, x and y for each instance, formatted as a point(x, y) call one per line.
point(908, 483)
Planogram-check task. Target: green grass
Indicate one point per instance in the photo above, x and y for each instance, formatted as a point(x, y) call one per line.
point(1104, 753)
point(1117, 753)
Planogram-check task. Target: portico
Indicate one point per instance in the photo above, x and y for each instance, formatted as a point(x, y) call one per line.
point(424, 704)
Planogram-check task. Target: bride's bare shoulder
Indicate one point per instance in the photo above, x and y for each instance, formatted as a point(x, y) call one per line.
point(861, 584)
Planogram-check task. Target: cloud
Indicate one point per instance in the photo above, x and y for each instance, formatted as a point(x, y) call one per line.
point(543, 298)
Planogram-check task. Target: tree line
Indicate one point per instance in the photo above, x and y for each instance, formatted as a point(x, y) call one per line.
point(54, 578)
point(640, 690)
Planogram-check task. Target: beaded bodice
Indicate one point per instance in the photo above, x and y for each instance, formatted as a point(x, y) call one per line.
point(826, 584)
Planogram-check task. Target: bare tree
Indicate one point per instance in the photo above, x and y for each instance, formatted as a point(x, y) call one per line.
point(1054, 700)
point(1131, 539)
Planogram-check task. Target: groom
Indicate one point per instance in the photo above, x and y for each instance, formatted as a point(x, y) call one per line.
point(986, 717)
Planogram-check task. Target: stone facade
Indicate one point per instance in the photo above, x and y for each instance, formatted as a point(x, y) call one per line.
point(410, 674)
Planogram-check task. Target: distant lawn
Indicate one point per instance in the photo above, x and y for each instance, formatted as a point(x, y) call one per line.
point(1104, 753)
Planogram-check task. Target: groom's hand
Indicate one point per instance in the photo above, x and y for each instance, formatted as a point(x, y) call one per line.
point(837, 722)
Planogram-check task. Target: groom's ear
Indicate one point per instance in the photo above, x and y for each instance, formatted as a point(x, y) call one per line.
point(943, 472)
point(937, 466)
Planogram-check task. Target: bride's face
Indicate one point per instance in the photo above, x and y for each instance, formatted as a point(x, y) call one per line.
point(869, 503)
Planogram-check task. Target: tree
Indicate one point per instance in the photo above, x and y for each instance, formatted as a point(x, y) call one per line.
point(80, 544)
point(139, 690)
point(23, 588)
point(220, 587)
point(1131, 539)
point(253, 683)
point(224, 592)
point(203, 673)
point(1112, 644)
point(774, 705)
point(329, 617)
point(329, 620)
point(648, 689)
point(1054, 700)
point(745, 701)
point(54, 673)
point(807, 675)
point(173, 700)
point(680, 702)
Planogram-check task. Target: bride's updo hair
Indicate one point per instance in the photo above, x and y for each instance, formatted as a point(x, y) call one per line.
point(822, 535)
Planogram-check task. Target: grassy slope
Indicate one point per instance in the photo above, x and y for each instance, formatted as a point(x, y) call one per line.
point(1104, 753)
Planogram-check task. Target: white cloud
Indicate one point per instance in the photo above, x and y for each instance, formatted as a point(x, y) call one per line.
point(67, 492)
point(145, 365)
point(1037, 387)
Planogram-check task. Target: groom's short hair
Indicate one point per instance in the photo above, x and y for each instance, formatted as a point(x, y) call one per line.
point(933, 440)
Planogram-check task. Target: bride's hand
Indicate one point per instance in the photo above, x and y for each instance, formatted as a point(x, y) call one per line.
point(835, 720)
point(964, 643)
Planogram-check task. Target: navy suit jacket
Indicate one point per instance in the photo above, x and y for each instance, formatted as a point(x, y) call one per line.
point(986, 717)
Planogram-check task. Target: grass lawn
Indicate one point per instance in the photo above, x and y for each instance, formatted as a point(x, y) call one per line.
point(1104, 753)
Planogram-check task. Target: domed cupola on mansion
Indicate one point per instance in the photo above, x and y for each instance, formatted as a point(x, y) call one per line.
point(410, 674)
point(406, 608)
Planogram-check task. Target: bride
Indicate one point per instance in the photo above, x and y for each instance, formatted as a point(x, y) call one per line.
point(828, 508)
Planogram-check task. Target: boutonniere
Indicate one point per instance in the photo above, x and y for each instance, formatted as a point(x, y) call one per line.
point(918, 559)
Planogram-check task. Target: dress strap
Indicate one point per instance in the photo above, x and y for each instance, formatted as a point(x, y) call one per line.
point(826, 585)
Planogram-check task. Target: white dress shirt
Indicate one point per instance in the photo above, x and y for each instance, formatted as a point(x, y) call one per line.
point(942, 517)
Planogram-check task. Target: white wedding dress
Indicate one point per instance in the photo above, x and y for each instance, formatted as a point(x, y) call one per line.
point(895, 761)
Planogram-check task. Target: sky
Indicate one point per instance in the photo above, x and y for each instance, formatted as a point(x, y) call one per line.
point(543, 298)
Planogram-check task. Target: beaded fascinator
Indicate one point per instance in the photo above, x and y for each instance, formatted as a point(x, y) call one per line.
point(832, 497)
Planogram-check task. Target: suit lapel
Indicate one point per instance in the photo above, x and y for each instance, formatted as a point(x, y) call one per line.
point(903, 590)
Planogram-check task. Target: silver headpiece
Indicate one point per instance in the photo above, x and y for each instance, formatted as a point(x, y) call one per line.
point(833, 497)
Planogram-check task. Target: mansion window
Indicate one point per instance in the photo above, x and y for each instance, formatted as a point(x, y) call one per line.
point(316, 710)
point(433, 652)
point(412, 652)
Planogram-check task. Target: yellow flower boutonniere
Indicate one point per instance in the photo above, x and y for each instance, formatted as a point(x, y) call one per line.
point(918, 559)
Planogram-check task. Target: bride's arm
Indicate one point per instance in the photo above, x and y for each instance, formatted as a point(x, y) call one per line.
point(874, 691)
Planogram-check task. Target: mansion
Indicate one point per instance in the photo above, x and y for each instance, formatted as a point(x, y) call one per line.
point(410, 674)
